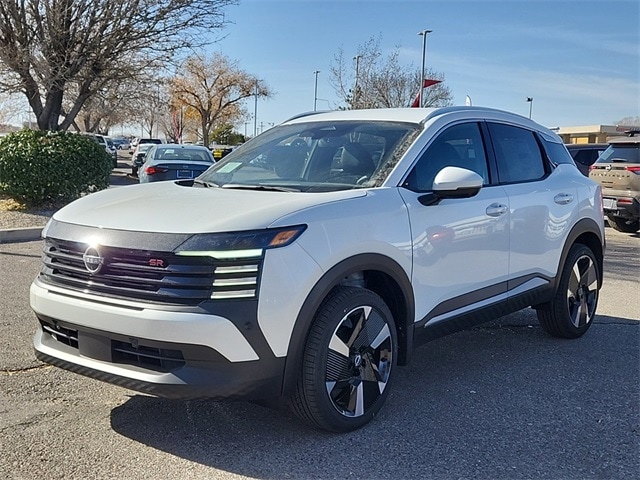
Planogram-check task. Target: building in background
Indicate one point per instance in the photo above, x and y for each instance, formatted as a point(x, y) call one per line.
point(591, 133)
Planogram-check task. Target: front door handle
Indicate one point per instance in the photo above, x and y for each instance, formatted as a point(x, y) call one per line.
point(563, 198)
point(496, 209)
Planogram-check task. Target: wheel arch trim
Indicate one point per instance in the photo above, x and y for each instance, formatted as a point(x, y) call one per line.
point(369, 262)
point(586, 232)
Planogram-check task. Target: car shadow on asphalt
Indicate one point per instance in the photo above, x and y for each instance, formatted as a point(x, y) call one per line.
point(502, 386)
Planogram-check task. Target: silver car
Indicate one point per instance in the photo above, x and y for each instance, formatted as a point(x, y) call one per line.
point(174, 162)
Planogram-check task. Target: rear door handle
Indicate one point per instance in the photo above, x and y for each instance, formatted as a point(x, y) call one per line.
point(563, 198)
point(496, 209)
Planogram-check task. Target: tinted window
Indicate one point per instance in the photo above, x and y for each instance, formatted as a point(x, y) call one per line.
point(517, 153)
point(458, 146)
point(621, 154)
point(586, 157)
point(558, 153)
point(182, 153)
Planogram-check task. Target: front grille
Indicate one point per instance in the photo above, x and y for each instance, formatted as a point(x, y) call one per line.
point(157, 359)
point(140, 275)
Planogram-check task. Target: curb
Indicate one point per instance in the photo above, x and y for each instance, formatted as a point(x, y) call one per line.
point(27, 234)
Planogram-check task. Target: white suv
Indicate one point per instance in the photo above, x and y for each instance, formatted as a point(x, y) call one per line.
point(309, 263)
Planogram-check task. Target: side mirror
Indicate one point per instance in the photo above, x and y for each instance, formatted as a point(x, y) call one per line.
point(453, 182)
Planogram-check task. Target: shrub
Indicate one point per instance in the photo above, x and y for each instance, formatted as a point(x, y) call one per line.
point(39, 167)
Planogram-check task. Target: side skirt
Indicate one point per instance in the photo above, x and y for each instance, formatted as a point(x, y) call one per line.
point(428, 329)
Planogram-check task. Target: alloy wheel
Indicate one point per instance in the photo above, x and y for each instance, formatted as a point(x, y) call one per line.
point(582, 291)
point(359, 361)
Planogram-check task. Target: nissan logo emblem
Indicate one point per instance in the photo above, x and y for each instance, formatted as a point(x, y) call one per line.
point(92, 260)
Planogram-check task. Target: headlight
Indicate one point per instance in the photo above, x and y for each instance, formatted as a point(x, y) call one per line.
point(45, 230)
point(245, 244)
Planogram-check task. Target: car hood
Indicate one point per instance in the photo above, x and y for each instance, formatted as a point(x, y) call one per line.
point(168, 207)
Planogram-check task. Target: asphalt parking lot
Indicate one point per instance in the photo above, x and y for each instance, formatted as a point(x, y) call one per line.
point(501, 401)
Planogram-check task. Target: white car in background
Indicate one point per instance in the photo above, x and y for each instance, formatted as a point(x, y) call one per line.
point(107, 144)
point(305, 266)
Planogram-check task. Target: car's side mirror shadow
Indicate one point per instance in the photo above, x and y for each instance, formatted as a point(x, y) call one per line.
point(453, 182)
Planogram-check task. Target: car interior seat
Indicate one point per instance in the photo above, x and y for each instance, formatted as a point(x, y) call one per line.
point(356, 160)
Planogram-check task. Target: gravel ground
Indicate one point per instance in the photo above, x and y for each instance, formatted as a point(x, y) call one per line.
point(20, 219)
point(14, 215)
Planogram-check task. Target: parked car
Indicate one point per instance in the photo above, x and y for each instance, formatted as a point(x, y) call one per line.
point(133, 144)
point(220, 151)
point(121, 143)
point(618, 171)
point(107, 144)
point(174, 162)
point(306, 266)
point(137, 159)
point(585, 154)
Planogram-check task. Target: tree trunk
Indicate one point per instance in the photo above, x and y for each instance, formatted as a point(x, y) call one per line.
point(50, 115)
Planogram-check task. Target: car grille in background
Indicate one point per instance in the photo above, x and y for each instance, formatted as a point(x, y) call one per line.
point(154, 277)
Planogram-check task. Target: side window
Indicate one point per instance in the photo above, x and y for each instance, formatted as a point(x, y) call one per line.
point(458, 146)
point(517, 152)
point(558, 153)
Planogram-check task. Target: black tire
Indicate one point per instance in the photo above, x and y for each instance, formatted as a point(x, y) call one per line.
point(625, 225)
point(134, 171)
point(348, 361)
point(571, 312)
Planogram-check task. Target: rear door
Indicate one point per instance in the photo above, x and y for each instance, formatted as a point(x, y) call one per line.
point(543, 206)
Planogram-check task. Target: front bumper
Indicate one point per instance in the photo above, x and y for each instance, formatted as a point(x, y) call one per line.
point(169, 354)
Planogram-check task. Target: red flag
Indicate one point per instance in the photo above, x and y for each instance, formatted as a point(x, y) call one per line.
point(427, 83)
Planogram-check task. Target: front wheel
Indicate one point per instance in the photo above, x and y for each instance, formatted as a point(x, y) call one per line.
point(625, 225)
point(571, 312)
point(348, 361)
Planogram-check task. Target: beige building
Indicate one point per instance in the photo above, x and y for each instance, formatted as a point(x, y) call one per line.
point(591, 133)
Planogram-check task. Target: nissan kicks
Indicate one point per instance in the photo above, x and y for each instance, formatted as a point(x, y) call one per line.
point(308, 264)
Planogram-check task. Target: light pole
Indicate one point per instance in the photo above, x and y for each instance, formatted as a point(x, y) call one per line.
point(424, 34)
point(355, 87)
point(255, 112)
point(530, 102)
point(315, 90)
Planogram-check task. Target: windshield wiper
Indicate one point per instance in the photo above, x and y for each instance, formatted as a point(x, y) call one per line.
point(205, 184)
point(266, 188)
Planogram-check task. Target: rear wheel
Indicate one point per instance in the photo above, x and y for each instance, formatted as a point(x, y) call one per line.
point(626, 225)
point(348, 361)
point(571, 312)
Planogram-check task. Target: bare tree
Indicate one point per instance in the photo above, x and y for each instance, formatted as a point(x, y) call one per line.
point(48, 45)
point(213, 89)
point(117, 103)
point(11, 111)
point(628, 122)
point(368, 80)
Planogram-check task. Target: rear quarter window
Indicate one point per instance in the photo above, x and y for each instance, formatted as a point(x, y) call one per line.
point(558, 153)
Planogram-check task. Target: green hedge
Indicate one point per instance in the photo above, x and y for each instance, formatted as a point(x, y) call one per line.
point(40, 167)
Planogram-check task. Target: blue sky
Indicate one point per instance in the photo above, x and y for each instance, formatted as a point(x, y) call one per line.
point(579, 60)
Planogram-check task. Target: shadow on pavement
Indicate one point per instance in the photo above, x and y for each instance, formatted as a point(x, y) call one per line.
point(476, 404)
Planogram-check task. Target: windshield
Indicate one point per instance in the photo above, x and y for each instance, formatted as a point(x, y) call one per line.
point(315, 156)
